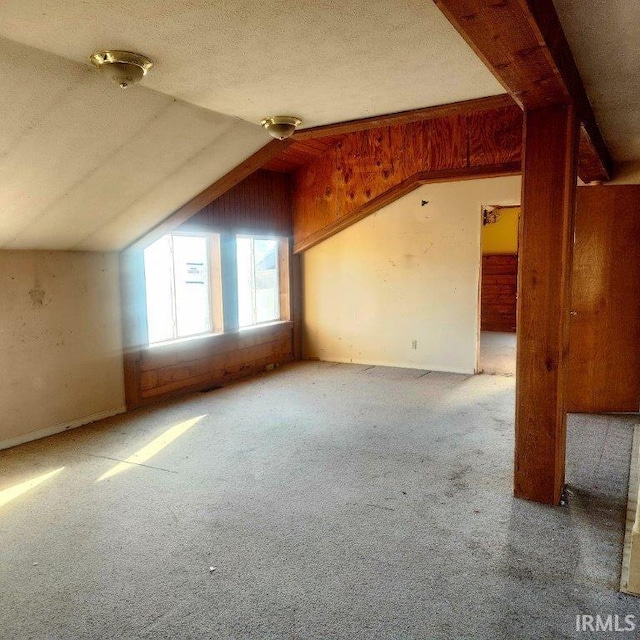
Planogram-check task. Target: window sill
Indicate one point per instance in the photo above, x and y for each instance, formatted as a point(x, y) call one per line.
point(168, 343)
point(263, 325)
point(216, 336)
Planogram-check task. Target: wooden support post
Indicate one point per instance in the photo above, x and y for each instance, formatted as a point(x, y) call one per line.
point(550, 159)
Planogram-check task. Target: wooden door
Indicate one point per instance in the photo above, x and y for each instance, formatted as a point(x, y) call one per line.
point(604, 337)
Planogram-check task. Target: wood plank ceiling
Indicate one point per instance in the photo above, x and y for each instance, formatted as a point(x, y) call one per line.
point(300, 152)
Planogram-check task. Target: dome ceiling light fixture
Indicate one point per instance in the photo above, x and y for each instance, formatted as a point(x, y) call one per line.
point(122, 67)
point(281, 127)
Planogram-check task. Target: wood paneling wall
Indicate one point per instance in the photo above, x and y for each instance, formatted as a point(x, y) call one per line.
point(498, 292)
point(214, 191)
point(166, 371)
point(332, 192)
point(299, 153)
point(260, 203)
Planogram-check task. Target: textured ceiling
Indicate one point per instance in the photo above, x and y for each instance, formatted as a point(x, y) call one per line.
point(604, 38)
point(84, 165)
point(323, 60)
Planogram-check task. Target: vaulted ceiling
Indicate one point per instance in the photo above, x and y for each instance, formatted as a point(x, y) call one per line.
point(84, 165)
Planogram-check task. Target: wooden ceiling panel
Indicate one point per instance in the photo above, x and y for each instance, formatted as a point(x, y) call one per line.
point(301, 152)
point(309, 144)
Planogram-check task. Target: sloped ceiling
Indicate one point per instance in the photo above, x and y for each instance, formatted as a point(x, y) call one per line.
point(84, 165)
point(605, 41)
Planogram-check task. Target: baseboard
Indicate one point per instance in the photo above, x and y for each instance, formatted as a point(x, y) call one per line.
point(59, 428)
point(632, 509)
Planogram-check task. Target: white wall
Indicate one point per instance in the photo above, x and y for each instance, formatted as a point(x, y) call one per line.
point(60, 342)
point(408, 272)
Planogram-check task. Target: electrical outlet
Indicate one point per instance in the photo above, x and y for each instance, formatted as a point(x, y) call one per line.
point(414, 344)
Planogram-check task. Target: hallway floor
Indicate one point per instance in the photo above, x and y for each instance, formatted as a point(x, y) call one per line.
point(498, 353)
point(317, 501)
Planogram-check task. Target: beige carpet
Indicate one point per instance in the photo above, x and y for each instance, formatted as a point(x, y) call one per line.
point(317, 501)
point(498, 353)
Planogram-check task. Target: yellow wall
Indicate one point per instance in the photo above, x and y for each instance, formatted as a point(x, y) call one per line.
point(502, 236)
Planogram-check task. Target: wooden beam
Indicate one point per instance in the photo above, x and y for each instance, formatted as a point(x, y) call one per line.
point(212, 192)
point(590, 154)
point(465, 107)
point(544, 290)
point(595, 163)
point(523, 45)
point(399, 190)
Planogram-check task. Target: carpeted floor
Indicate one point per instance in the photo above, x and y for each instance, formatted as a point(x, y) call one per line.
point(498, 353)
point(317, 501)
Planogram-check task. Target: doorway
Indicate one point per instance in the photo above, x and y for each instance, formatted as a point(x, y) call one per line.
point(498, 289)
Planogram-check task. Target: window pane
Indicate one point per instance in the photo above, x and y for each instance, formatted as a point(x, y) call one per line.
point(191, 272)
point(258, 282)
point(158, 277)
point(267, 293)
point(244, 249)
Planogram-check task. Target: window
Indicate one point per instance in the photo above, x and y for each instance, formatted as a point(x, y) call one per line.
point(178, 287)
point(186, 274)
point(258, 280)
